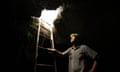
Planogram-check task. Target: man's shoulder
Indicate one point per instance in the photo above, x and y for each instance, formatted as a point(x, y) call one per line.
point(83, 46)
point(70, 48)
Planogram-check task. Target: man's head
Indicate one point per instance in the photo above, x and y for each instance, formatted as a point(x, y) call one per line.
point(74, 37)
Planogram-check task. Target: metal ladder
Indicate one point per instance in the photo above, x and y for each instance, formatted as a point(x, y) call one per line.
point(36, 65)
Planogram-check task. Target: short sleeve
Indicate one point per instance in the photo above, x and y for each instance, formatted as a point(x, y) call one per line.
point(90, 52)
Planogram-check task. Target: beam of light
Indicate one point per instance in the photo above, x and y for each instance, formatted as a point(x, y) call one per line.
point(48, 17)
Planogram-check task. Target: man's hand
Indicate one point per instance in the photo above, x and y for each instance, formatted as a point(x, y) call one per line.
point(52, 49)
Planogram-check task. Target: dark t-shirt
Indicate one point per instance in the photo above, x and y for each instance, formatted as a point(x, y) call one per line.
point(77, 57)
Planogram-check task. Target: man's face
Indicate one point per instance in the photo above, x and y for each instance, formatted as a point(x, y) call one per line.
point(72, 39)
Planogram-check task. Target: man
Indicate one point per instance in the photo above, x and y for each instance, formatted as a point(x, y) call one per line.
point(77, 55)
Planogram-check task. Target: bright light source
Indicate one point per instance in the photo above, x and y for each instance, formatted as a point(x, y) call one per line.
point(49, 16)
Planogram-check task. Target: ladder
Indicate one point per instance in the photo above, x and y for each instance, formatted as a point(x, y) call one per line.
point(39, 67)
point(45, 61)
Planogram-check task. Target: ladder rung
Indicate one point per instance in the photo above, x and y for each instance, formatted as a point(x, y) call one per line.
point(44, 65)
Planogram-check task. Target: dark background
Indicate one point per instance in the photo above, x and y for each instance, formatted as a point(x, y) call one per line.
point(92, 19)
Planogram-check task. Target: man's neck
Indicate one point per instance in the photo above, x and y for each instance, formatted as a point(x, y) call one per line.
point(73, 46)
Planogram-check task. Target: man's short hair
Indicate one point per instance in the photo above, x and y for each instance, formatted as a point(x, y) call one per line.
point(74, 34)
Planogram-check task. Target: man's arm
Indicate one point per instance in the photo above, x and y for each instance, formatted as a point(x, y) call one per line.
point(93, 66)
point(59, 52)
point(55, 50)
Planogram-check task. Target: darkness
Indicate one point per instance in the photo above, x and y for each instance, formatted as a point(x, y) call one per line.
point(92, 19)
